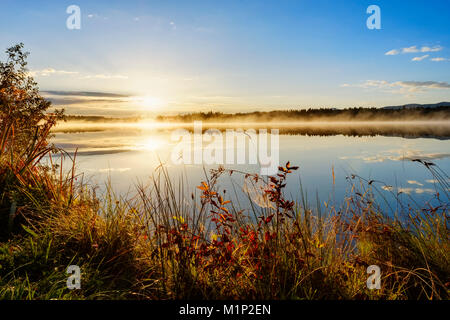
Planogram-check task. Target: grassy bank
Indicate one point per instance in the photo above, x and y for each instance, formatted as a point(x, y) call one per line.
point(164, 244)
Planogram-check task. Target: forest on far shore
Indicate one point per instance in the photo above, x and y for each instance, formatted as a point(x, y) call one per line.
point(421, 113)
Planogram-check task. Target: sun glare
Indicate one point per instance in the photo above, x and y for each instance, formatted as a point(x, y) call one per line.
point(150, 144)
point(149, 102)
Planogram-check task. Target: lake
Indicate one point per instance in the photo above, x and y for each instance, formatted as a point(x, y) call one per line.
point(327, 154)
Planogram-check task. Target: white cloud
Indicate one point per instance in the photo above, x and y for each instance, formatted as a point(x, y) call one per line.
point(415, 182)
point(392, 52)
point(420, 58)
point(96, 16)
point(423, 84)
point(424, 190)
point(412, 49)
point(368, 84)
point(398, 155)
point(434, 49)
point(435, 181)
point(105, 76)
point(50, 71)
point(405, 190)
point(439, 59)
point(416, 190)
point(399, 86)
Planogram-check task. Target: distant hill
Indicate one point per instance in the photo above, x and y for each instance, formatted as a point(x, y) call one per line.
point(416, 105)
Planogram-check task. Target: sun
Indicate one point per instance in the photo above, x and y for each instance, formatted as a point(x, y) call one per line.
point(149, 102)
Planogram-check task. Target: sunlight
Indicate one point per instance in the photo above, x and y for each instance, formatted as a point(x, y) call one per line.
point(150, 102)
point(150, 144)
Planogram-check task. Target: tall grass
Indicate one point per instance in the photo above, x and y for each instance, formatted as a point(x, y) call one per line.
point(165, 243)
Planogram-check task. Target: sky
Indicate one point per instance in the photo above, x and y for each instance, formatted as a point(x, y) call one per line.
point(133, 56)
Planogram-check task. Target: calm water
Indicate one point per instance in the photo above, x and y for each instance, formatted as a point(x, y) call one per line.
point(128, 154)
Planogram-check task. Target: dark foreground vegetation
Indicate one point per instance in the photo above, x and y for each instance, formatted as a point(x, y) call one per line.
point(166, 244)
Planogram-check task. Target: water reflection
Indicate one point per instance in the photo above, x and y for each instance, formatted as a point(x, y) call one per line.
point(129, 153)
point(416, 129)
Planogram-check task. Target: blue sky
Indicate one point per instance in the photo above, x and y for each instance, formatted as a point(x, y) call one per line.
point(171, 56)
